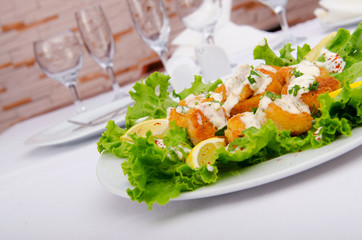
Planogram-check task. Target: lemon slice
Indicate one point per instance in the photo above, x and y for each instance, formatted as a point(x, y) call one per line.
point(158, 127)
point(204, 152)
point(352, 85)
point(314, 54)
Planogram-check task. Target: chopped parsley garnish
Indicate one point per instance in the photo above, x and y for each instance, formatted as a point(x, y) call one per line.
point(214, 101)
point(221, 131)
point(253, 72)
point(251, 80)
point(272, 95)
point(314, 86)
point(297, 73)
point(208, 95)
point(294, 90)
point(254, 109)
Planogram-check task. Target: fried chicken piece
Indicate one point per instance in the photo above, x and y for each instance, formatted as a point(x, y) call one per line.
point(325, 83)
point(238, 123)
point(248, 104)
point(297, 123)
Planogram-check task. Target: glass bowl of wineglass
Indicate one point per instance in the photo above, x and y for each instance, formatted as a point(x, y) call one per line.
point(279, 8)
point(152, 24)
point(200, 16)
point(98, 40)
point(60, 57)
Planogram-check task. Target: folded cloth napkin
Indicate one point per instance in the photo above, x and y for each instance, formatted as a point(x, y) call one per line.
point(337, 12)
point(231, 37)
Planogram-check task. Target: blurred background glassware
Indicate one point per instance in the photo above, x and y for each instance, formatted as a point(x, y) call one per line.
point(152, 24)
point(98, 40)
point(60, 58)
point(279, 8)
point(200, 15)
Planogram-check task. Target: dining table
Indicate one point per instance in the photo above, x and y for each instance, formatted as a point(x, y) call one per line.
point(52, 191)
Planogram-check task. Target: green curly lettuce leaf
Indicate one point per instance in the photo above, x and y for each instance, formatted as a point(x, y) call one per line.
point(110, 140)
point(151, 99)
point(339, 116)
point(156, 175)
point(198, 87)
point(348, 46)
point(264, 52)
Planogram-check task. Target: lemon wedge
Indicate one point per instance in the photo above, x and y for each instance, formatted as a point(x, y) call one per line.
point(204, 152)
point(158, 127)
point(352, 85)
point(314, 54)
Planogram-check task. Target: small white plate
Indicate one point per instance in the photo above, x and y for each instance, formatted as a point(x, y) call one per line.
point(110, 174)
point(65, 132)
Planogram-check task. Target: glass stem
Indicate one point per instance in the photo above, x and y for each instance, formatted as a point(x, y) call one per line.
point(163, 54)
point(282, 17)
point(209, 38)
point(116, 89)
point(73, 91)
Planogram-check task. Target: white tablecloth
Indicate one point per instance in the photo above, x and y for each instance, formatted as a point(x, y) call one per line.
point(53, 193)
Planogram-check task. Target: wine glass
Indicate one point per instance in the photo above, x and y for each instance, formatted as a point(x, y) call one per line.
point(279, 8)
point(152, 24)
point(200, 16)
point(60, 58)
point(98, 40)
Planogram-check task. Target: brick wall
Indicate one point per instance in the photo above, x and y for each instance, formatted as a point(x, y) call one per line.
point(25, 92)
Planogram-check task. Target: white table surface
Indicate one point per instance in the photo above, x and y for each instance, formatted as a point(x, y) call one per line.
point(53, 193)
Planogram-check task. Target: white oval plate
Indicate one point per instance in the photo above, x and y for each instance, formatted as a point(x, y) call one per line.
point(110, 174)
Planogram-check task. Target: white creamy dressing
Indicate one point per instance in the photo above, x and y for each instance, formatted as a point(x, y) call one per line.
point(214, 112)
point(267, 68)
point(287, 103)
point(304, 83)
point(291, 104)
point(182, 109)
point(310, 72)
point(261, 84)
point(333, 62)
point(141, 119)
point(159, 142)
point(263, 105)
point(250, 120)
point(199, 119)
point(157, 90)
point(235, 84)
point(307, 67)
point(191, 100)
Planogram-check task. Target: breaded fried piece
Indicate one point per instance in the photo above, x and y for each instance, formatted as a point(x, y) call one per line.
point(272, 73)
point(253, 102)
point(245, 92)
point(246, 106)
point(283, 75)
point(221, 89)
point(296, 123)
point(179, 118)
point(234, 128)
point(198, 126)
point(325, 83)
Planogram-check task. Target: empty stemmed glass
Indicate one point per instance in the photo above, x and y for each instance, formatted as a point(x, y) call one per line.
point(98, 40)
point(200, 16)
point(60, 58)
point(152, 24)
point(279, 8)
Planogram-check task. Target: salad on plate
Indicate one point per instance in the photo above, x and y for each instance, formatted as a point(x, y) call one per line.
point(290, 103)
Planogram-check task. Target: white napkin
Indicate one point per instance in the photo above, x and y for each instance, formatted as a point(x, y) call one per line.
point(337, 11)
point(231, 37)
